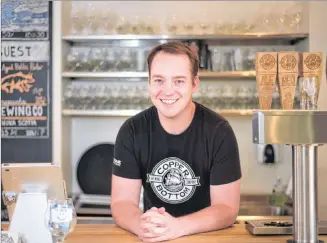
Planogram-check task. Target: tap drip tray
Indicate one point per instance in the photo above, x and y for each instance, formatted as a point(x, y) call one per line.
point(283, 227)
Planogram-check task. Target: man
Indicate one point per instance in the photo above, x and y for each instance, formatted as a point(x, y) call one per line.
point(185, 156)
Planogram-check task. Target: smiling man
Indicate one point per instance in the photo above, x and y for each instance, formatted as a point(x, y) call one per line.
point(185, 156)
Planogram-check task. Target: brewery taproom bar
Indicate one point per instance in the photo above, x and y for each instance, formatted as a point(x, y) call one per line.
point(151, 121)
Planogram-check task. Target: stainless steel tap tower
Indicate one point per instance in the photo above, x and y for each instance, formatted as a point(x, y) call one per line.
point(304, 130)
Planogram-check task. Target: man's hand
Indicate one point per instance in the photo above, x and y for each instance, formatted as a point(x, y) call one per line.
point(158, 225)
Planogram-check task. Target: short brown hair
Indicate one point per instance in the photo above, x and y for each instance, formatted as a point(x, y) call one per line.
point(179, 48)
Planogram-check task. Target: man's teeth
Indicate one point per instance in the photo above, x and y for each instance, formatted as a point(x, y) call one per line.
point(169, 102)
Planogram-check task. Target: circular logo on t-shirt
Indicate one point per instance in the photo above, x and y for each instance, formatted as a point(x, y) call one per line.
point(173, 180)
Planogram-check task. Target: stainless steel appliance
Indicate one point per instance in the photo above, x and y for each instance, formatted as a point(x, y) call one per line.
point(304, 130)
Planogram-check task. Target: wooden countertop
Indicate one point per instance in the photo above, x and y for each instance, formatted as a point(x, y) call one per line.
point(96, 233)
point(104, 233)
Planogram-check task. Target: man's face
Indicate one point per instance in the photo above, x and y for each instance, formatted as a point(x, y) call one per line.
point(171, 84)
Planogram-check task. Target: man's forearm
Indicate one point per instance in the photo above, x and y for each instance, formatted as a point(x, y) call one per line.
point(127, 215)
point(212, 218)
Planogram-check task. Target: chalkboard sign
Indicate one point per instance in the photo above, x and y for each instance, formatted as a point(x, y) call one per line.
point(26, 125)
point(25, 19)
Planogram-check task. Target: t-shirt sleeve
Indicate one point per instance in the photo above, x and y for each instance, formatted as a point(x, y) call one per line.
point(226, 166)
point(125, 163)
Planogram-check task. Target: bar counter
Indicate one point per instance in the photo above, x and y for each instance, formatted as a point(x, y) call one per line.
point(111, 233)
point(104, 233)
point(86, 232)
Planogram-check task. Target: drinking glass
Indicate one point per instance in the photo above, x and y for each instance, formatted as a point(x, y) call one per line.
point(60, 218)
point(308, 93)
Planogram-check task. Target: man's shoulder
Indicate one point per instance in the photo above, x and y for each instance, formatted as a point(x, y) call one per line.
point(211, 118)
point(140, 120)
point(143, 117)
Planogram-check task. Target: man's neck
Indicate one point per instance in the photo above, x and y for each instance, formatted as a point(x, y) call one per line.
point(180, 123)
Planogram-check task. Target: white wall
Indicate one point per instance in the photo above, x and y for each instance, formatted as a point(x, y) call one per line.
point(318, 42)
point(258, 178)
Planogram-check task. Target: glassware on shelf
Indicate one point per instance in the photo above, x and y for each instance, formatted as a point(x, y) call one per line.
point(137, 25)
point(60, 218)
point(228, 63)
point(68, 96)
point(150, 26)
point(96, 59)
point(92, 18)
point(296, 21)
point(243, 97)
point(229, 97)
point(172, 25)
point(126, 60)
point(109, 63)
point(123, 26)
point(133, 94)
point(72, 60)
point(249, 58)
point(100, 18)
point(205, 25)
point(308, 93)
point(282, 22)
point(238, 59)
point(216, 57)
point(276, 98)
point(78, 22)
point(107, 19)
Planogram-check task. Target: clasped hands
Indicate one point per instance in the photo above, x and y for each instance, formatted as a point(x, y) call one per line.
point(158, 225)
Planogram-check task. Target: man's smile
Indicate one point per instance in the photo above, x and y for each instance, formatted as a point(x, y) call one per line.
point(169, 101)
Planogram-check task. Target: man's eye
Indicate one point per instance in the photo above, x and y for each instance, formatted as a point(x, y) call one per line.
point(157, 80)
point(179, 81)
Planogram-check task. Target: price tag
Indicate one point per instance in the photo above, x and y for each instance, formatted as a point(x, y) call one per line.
point(61, 214)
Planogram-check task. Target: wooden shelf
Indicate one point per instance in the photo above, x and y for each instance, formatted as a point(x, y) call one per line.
point(292, 37)
point(128, 113)
point(104, 74)
point(208, 74)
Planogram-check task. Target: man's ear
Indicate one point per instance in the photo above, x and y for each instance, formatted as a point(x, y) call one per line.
point(149, 84)
point(196, 84)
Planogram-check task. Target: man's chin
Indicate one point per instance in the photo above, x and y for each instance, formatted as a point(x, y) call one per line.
point(168, 112)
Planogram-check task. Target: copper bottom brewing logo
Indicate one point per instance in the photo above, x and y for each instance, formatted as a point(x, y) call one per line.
point(267, 62)
point(173, 180)
point(288, 62)
point(313, 61)
point(17, 81)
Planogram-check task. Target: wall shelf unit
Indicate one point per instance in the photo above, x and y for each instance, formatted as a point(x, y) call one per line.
point(128, 113)
point(206, 74)
point(142, 43)
point(288, 37)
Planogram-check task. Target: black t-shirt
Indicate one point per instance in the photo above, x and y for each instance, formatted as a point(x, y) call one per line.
point(177, 170)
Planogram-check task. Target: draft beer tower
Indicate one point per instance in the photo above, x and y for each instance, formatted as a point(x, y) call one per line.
point(304, 129)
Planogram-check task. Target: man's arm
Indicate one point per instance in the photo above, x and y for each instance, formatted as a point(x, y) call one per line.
point(225, 200)
point(222, 213)
point(125, 197)
point(126, 180)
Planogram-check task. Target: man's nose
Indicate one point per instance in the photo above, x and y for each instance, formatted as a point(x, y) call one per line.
point(168, 88)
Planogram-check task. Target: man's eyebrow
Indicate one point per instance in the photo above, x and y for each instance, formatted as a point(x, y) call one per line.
point(174, 77)
point(156, 76)
point(180, 76)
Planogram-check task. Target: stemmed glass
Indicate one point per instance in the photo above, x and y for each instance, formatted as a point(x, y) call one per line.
point(60, 218)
